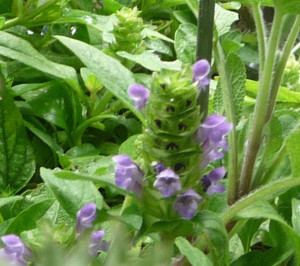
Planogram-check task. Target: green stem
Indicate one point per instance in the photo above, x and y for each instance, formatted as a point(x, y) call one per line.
point(261, 34)
point(101, 105)
point(229, 110)
point(205, 45)
point(258, 120)
point(274, 165)
point(170, 3)
point(77, 133)
point(281, 66)
point(164, 250)
point(11, 23)
point(265, 192)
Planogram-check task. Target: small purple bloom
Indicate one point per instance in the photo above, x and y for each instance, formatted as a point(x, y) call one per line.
point(85, 216)
point(15, 251)
point(167, 182)
point(128, 174)
point(139, 94)
point(211, 182)
point(158, 167)
point(201, 70)
point(211, 134)
point(97, 243)
point(186, 204)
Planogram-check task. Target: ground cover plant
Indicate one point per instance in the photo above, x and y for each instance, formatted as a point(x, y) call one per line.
point(159, 132)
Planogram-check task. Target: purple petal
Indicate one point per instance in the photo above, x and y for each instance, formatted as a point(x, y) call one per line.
point(167, 182)
point(128, 175)
point(97, 243)
point(216, 174)
point(139, 94)
point(15, 250)
point(201, 69)
point(215, 188)
point(85, 216)
point(186, 204)
point(158, 167)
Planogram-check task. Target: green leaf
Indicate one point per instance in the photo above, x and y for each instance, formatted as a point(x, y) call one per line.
point(288, 6)
point(293, 147)
point(185, 43)
point(195, 256)
point(151, 61)
point(21, 50)
point(55, 103)
point(17, 164)
point(4, 201)
point(224, 19)
point(114, 76)
point(263, 209)
point(127, 147)
point(296, 215)
point(26, 220)
point(237, 75)
point(71, 194)
point(217, 239)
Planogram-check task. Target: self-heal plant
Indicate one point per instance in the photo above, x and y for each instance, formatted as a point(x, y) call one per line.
point(85, 217)
point(211, 181)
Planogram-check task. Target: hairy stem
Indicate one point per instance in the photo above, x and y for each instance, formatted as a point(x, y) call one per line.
point(205, 45)
point(261, 34)
point(258, 121)
point(265, 192)
point(280, 69)
point(229, 110)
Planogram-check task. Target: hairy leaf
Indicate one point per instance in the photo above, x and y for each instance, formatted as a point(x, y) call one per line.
point(293, 147)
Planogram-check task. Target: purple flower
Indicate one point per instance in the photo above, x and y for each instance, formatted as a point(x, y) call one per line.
point(201, 71)
point(139, 94)
point(211, 134)
point(167, 182)
point(14, 251)
point(158, 167)
point(97, 243)
point(211, 182)
point(85, 216)
point(186, 204)
point(128, 175)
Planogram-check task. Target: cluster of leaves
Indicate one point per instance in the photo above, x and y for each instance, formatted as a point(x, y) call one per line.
point(65, 67)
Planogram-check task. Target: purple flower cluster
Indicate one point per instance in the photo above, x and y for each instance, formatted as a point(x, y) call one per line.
point(201, 70)
point(85, 217)
point(211, 181)
point(128, 174)
point(211, 134)
point(139, 94)
point(15, 252)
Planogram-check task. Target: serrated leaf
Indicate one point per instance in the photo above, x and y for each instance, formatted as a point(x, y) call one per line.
point(111, 73)
point(185, 43)
point(17, 163)
point(151, 61)
point(218, 106)
point(195, 256)
point(237, 76)
point(71, 194)
point(293, 147)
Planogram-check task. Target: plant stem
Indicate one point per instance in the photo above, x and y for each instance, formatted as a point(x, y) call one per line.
point(258, 120)
point(229, 110)
point(164, 250)
point(265, 192)
point(261, 34)
point(274, 165)
point(101, 105)
point(77, 133)
point(205, 45)
point(281, 66)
